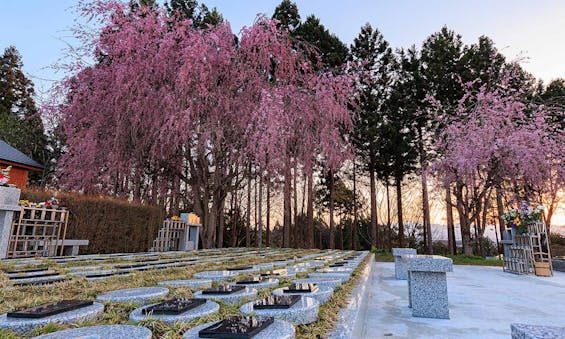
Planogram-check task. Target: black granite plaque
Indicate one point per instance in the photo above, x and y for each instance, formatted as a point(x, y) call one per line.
point(27, 270)
point(252, 280)
point(125, 266)
point(240, 268)
point(223, 289)
point(174, 306)
point(238, 327)
point(301, 288)
point(49, 309)
point(39, 282)
point(108, 274)
point(337, 265)
point(276, 302)
point(36, 275)
point(275, 273)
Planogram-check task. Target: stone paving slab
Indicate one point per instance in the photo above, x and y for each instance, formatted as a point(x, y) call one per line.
point(483, 302)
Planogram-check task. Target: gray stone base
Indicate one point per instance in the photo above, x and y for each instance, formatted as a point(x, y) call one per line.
point(341, 276)
point(22, 325)
point(264, 284)
point(214, 275)
point(141, 295)
point(208, 308)
point(279, 329)
point(322, 294)
point(303, 312)
point(330, 282)
point(193, 283)
point(524, 331)
point(229, 298)
point(101, 332)
point(428, 294)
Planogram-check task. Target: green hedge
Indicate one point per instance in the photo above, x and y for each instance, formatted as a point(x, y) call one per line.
point(111, 225)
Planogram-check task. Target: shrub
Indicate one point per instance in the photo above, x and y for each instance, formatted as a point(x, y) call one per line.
point(111, 225)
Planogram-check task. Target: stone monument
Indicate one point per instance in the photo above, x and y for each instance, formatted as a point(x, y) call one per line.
point(9, 197)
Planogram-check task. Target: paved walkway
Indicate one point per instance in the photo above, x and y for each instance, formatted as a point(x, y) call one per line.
point(483, 302)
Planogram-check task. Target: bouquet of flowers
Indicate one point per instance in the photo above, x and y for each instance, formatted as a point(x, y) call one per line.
point(527, 214)
point(5, 176)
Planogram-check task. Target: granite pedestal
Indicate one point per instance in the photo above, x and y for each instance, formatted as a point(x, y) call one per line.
point(232, 298)
point(278, 329)
point(192, 283)
point(400, 269)
point(208, 308)
point(427, 285)
point(141, 295)
point(101, 332)
point(305, 311)
point(266, 283)
point(22, 325)
point(322, 294)
point(215, 275)
point(330, 282)
point(524, 331)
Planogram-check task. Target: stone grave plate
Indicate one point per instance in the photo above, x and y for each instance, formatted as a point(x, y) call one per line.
point(107, 274)
point(223, 289)
point(238, 327)
point(337, 265)
point(126, 266)
point(174, 306)
point(48, 309)
point(239, 268)
point(252, 280)
point(28, 270)
point(276, 302)
point(275, 273)
point(39, 281)
point(301, 288)
point(38, 275)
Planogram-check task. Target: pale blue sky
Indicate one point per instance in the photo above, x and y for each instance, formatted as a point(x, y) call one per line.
point(534, 28)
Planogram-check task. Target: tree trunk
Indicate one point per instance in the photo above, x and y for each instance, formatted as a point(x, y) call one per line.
point(332, 221)
point(260, 214)
point(268, 235)
point(220, 237)
point(248, 212)
point(310, 210)
point(451, 244)
point(388, 219)
point(463, 221)
point(256, 205)
point(235, 212)
point(425, 199)
point(297, 228)
point(398, 182)
point(287, 204)
point(354, 230)
point(373, 202)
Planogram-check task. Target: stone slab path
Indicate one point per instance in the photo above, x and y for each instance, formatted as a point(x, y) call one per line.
point(483, 302)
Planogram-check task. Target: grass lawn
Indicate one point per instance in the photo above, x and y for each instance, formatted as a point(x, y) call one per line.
point(12, 298)
point(458, 259)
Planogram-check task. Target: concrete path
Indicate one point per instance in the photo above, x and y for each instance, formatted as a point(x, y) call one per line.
point(483, 302)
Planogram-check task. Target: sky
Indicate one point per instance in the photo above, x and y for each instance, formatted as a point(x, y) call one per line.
point(534, 29)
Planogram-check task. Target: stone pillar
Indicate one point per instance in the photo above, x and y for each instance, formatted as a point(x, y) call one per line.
point(427, 285)
point(400, 270)
point(9, 197)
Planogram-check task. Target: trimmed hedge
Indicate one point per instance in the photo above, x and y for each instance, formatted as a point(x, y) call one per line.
point(111, 225)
